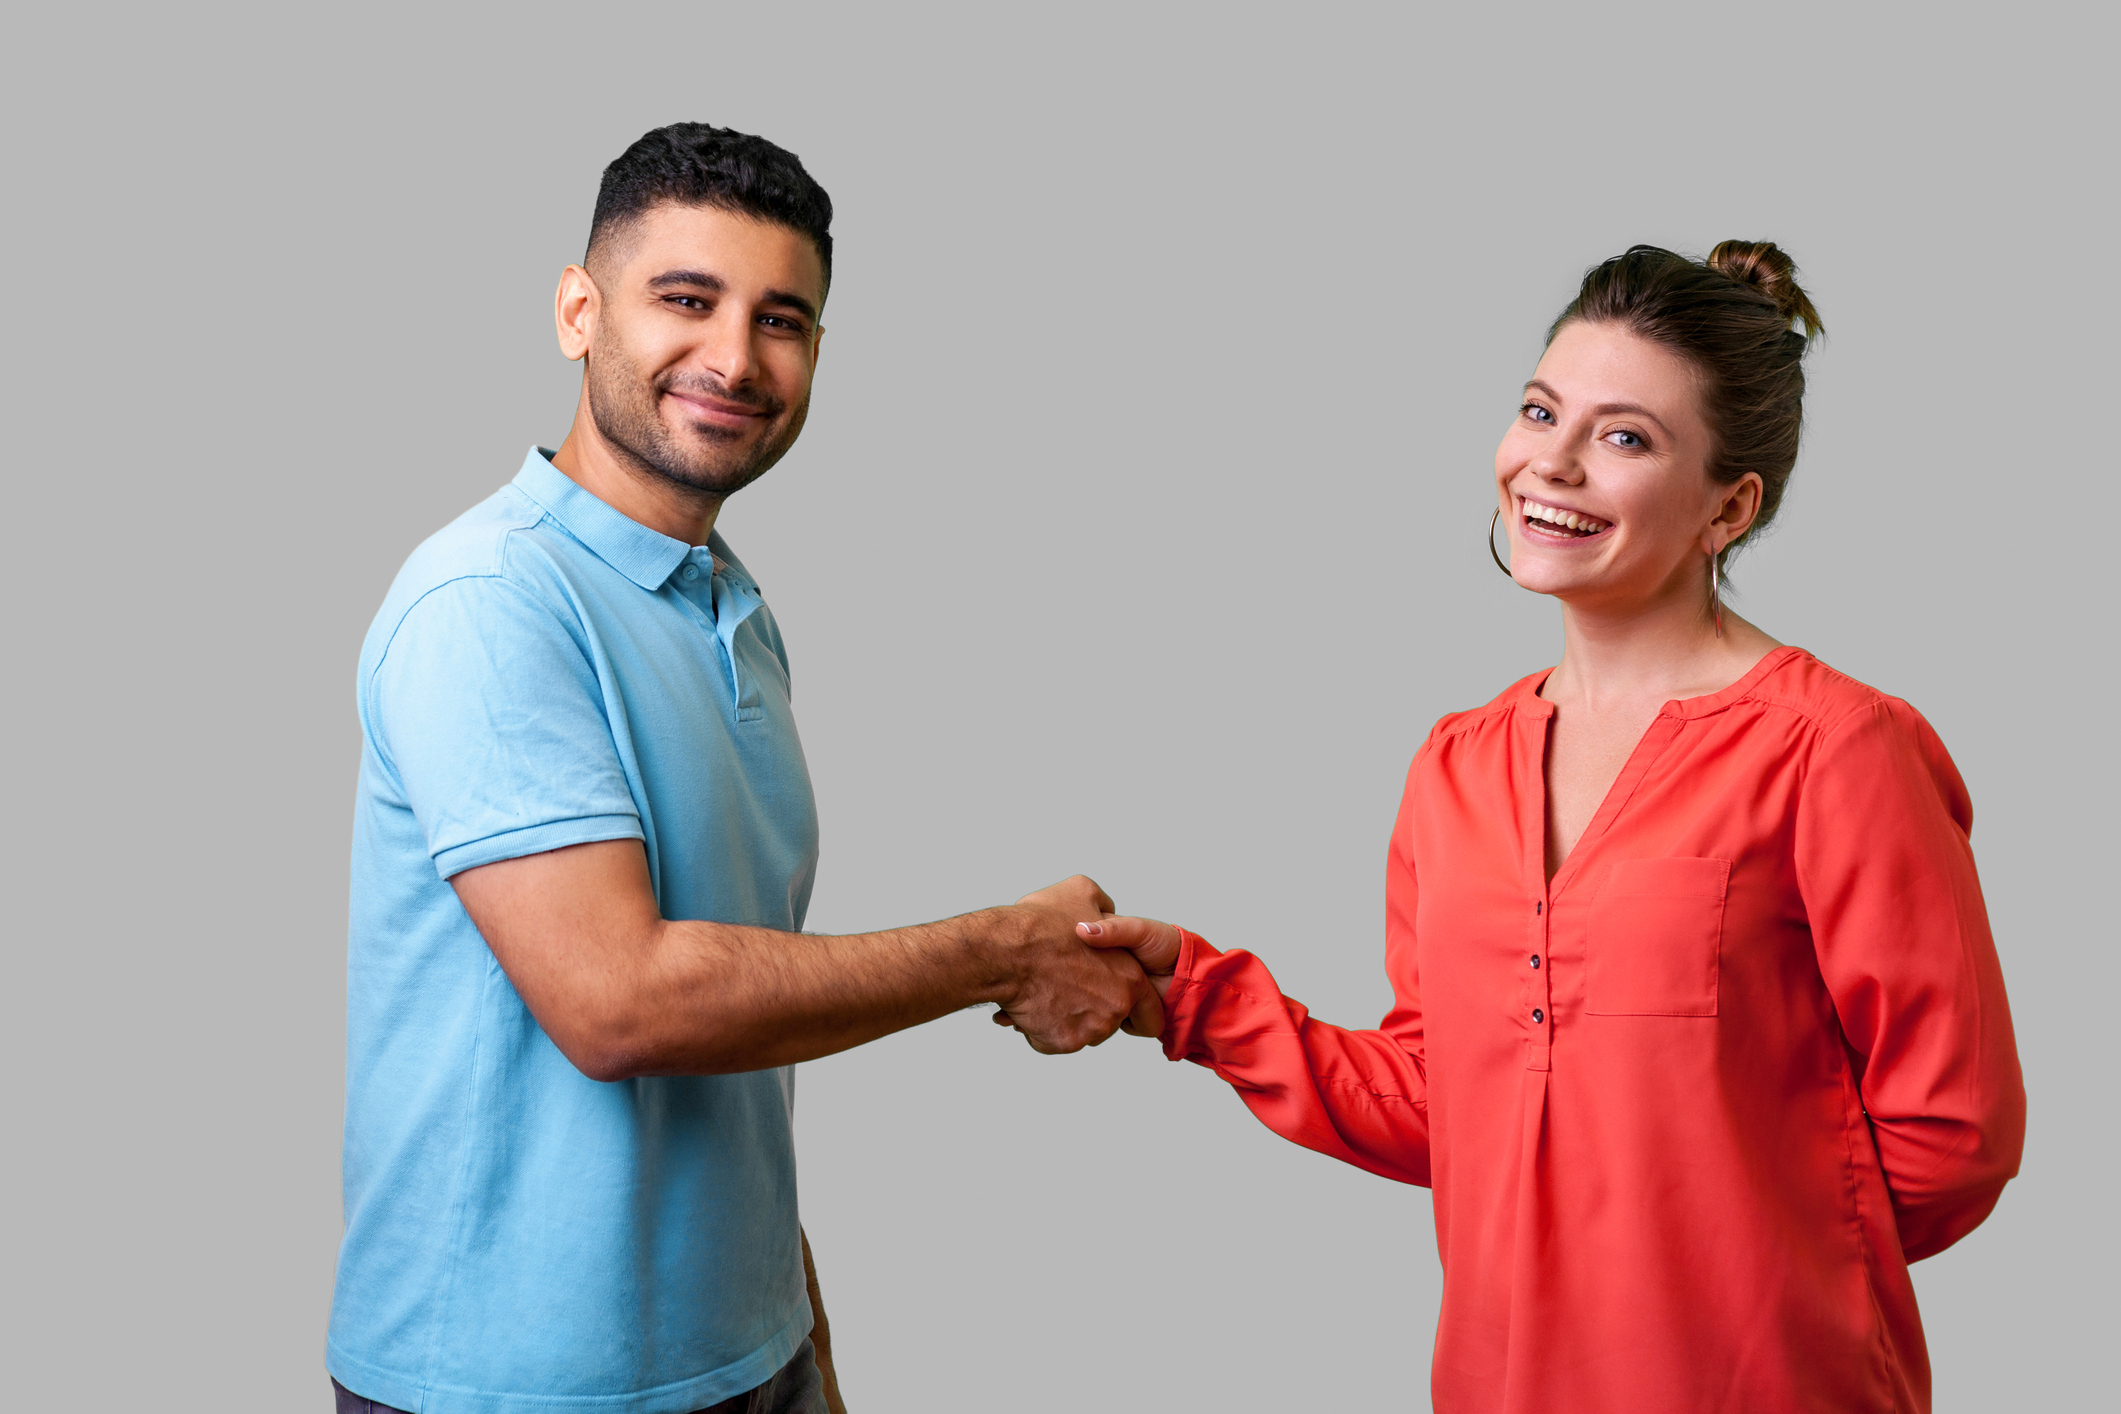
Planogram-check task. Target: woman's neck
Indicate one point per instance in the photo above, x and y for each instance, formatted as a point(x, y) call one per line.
point(1667, 649)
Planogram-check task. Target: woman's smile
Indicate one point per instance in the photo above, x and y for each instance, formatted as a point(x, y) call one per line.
point(1558, 524)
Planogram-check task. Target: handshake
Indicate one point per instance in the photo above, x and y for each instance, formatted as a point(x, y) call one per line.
point(1078, 971)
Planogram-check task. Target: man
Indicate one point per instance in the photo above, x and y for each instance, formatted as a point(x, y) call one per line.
point(584, 842)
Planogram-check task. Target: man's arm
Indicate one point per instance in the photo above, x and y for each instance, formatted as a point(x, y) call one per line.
point(623, 991)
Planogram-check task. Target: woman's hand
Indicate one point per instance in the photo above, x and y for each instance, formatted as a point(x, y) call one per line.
point(1154, 945)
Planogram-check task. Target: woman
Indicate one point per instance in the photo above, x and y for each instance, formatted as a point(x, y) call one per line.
point(1699, 1031)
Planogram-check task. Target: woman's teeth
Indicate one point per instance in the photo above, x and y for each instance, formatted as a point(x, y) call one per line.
point(1559, 519)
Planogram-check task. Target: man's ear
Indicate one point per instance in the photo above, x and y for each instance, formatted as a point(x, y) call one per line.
point(574, 312)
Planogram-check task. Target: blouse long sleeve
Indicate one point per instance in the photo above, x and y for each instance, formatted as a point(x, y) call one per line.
point(1691, 1101)
point(1359, 1096)
point(1902, 935)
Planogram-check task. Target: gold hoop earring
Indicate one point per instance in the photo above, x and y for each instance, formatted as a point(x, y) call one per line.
point(1716, 591)
point(1493, 521)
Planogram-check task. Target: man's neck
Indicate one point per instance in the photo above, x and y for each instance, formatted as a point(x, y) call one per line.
point(611, 476)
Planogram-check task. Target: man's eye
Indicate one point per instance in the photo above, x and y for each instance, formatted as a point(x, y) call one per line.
point(1536, 413)
point(777, 322)
point(688, 301)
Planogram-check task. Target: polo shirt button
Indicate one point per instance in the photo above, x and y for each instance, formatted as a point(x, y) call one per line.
point(692, 571)
point(1538, 1015)
point(1535, 962)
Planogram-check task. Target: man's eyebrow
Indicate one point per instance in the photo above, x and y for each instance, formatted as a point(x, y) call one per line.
point(698, 279)
point(1603, 409)
point(701, 280)
point(793, 301)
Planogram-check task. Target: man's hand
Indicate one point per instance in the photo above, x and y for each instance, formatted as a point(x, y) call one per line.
point(1065, 994)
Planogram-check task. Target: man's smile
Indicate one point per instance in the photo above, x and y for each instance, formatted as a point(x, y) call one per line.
point(717, 412)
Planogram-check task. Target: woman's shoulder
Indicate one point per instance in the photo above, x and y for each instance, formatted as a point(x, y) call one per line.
point(1826, 697)
point(1853, 723)
point(1519, 694)
point(1864, 737)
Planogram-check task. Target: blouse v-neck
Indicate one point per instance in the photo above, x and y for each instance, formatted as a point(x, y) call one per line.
point(1658, 735)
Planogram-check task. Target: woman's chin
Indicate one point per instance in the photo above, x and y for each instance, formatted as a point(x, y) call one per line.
point(1558, 580)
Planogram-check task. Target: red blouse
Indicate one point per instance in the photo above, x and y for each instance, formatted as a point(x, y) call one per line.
point(1691, 1108)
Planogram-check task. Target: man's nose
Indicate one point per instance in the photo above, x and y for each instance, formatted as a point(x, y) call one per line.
point(727, 350)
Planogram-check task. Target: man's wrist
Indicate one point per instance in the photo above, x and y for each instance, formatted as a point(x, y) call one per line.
point(990, 948)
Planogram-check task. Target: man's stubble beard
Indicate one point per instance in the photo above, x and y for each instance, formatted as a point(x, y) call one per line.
point(624, 404)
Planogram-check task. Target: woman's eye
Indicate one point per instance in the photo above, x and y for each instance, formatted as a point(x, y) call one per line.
point(1629, 440)
point(1536, 413)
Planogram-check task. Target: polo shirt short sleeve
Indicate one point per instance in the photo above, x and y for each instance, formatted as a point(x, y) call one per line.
point(521, 1239)
point(489, 713)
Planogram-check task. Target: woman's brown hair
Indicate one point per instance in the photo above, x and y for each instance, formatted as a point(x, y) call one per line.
point(1734, 317)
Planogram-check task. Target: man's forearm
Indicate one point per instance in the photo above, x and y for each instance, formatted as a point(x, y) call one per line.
point(711, 999)
point(624, 992)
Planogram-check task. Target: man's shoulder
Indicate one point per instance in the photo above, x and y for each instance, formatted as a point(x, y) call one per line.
point(492, 548)
point(473, 545)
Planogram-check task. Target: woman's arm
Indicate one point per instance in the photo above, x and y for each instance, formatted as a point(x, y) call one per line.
point(1902, 937)
point(1359, 1096)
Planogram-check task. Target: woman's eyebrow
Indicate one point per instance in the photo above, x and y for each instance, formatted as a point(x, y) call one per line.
point(1608, 409)
point(1603, 409)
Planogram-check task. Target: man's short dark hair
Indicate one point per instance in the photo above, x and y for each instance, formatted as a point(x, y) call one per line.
point(698, 164)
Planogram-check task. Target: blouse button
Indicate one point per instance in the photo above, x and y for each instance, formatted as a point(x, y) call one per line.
point(1538, 1015)
point(1535, 962)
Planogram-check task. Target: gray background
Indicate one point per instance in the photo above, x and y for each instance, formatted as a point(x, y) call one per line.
point(1136, 531)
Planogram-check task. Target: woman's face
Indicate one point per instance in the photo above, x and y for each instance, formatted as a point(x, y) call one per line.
point(1603, 477)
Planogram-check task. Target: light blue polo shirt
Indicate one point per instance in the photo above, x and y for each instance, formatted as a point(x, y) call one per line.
point(520, 1238)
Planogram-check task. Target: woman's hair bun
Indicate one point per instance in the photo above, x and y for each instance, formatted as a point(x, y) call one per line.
point(1768, 268)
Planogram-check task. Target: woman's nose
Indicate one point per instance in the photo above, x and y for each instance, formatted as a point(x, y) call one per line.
point(1559, 464)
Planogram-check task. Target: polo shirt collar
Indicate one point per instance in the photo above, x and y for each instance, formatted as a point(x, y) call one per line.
point(647, 557)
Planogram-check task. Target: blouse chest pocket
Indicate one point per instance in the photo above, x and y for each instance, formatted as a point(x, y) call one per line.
point(1654, 936)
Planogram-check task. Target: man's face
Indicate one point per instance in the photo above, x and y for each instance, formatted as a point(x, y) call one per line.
point(705, 343)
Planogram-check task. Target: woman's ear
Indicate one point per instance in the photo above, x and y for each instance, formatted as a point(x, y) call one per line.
point(1735, 513)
